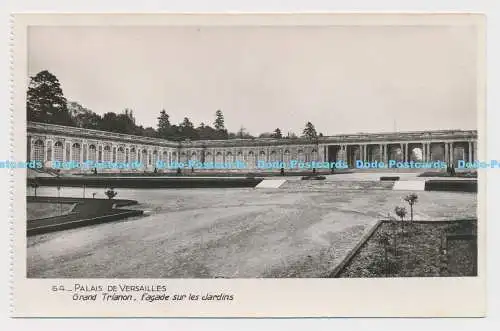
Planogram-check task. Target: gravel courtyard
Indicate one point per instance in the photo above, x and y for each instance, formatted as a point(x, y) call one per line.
point(302, 229)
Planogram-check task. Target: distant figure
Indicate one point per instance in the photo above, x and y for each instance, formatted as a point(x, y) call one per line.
point(93, 195)
point(282, 171)
point(95, 171)
point(192, 169)
point(155, 171)
point(314, 171)
point(332, 169)
point(179, 171)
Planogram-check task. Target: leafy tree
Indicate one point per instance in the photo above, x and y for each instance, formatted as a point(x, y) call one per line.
point(310, 131)
point(266, 135)
point(150, 132)
point(45, 100)
point(291, 135)
point(277, 134)
point(83, 117)
point(187, 130)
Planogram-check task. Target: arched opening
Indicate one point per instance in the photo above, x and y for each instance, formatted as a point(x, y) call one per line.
point(133, 154)
point(286, 157)
point(301, 156)
point(314, 155)
point(39, 151)
point(107, 154)
point(58, 151)
point(92, 153)
point(75, 152)
point(251, 159)
point(120, 155)
point(219, 158)
point(229, 157)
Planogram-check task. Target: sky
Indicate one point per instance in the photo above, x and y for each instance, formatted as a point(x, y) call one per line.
point(344, 79)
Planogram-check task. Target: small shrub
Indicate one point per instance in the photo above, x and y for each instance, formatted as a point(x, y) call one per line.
point(111, 193)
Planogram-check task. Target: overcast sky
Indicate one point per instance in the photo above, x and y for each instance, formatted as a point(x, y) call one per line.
point(342, 79)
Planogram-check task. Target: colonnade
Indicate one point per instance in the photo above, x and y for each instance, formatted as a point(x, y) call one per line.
point(48, 143)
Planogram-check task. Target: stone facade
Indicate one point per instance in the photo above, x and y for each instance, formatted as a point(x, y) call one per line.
point(48, 143)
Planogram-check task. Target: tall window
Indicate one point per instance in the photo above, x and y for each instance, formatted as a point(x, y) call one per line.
point(39, 151)
point(92, 153)
point(107, 153)
point(120, 156)
point(58, 151)
point(133, 154)
point(75, 152)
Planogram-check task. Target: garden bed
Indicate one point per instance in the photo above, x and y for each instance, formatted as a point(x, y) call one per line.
point(419, 249)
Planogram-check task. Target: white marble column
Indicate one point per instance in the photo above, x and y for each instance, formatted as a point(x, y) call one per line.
point(469, 152)
point(451, 153)
point(446, 153)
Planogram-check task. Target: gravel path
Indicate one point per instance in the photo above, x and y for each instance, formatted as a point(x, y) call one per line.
point(299, 230)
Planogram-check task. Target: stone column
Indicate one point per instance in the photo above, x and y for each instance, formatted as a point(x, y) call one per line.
point(83, 148)
point(474, 151)
point(70, 150)
point(446, 153)
point(451, 153)
point(469, 152)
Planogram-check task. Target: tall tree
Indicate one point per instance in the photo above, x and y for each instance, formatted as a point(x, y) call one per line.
point(219, 120)
point(277, 133)
point(219, 126)
point(45, 100)
point(309, 131)
point(164, 126)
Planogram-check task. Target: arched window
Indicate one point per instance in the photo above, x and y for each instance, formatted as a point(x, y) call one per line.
point(75, 152)
point(133, 154)
point(155, 157)
point(286, 157)
point(273, 156)
point(39, 151)
point(92, 153)
point(58, 151)
point(301, 155)
point(262, 156)
point(107, 154)
point(251, 160)
point(219, 158)
point(314, 155)
point(120, 155)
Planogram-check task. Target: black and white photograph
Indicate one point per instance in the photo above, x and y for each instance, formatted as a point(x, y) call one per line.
point(338, 151)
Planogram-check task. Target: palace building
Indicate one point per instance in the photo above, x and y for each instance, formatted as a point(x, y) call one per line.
point(48, 143)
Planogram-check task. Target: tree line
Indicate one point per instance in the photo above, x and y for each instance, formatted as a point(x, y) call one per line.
point(46, 103)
